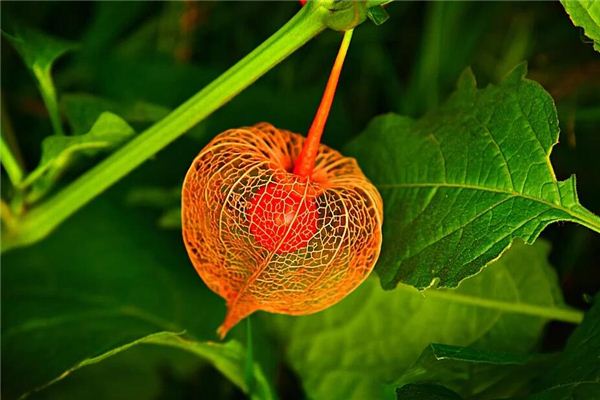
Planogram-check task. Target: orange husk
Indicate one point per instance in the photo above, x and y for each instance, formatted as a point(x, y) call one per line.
point(218, 193)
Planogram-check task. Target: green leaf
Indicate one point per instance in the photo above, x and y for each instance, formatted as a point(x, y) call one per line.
point(143, 372)
point(58, 152)
point(373, 336)
point(229, 358)
point(460, 184)
point(425, 392)
point(82, 111)
point(474, 373)
point(576, 375)
point(72, 301)
point(170, 219)
point(39, 52)
point(586, 14)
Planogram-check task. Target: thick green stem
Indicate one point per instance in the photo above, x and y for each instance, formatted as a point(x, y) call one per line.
point(40, 221)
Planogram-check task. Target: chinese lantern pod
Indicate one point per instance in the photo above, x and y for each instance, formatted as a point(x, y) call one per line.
point(267, 239)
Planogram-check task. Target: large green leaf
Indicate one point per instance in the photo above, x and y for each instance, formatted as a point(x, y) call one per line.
point(576, 375)
point(74, 300)
point(357, 348)
point(141, 373)
point(460, 184)
point(586, 14)
point(58, 151)
point(474, 373)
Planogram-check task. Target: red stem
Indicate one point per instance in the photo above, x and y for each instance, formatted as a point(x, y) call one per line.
point(306, 160)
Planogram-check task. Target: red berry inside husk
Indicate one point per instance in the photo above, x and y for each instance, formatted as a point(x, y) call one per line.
point(282, 219)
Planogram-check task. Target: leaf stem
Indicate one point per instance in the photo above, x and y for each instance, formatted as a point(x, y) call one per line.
point(10, 156)
point(306, 160)
point(40, 221)
point(249, 365)
point(48, 92)
point(587, 219)
point(9, 162)
point(555, 313)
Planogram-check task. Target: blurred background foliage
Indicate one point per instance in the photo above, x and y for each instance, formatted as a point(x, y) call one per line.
point(141, 59)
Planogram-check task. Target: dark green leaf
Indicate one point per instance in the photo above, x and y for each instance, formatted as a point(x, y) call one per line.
point(460, 184)
point(474, 373)
point(58, 151)
point(72, 301)
point(373, 335)
point(425, 392)
point(141, 373)
point(576, 375)
point(170, 219)
point(586, 14)
point(38, 50)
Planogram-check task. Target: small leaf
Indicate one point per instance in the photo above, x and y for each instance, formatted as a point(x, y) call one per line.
point(576, 374)
point(82, 110)
point(38, 50)
point(475, 373)
point(460, 184)
point(58, 151)
point(374, 335)
point(170, 219)
point(586, 14)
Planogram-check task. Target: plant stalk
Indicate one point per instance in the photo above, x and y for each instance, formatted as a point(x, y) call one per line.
point(10, 163)
point(305, 163)
point(40, 221)
point(10, 157)
point(48, 92)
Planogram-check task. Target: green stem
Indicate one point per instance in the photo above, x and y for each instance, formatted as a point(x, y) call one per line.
point(249, 366)
point(9, 162)
point(587, 219)
point(10, 156)
point(555, 313)
point(48, 92)
point(40, 221)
